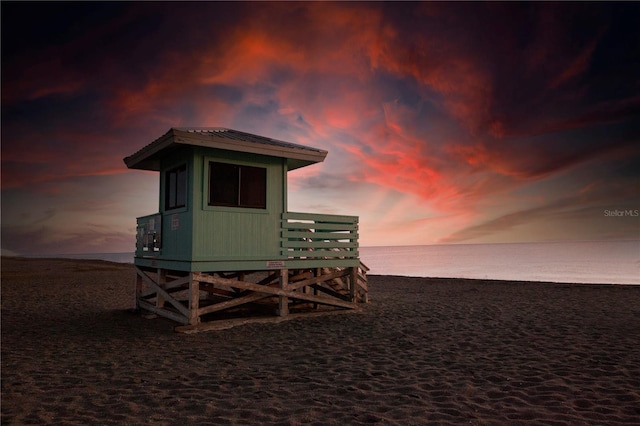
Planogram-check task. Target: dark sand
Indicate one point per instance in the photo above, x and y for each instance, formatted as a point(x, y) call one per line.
point(424, 351)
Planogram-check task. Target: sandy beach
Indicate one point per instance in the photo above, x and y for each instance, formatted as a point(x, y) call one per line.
point(423, 351)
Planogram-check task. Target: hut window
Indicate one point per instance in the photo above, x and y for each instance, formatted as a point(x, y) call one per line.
point(176, 187)
point(235, 185)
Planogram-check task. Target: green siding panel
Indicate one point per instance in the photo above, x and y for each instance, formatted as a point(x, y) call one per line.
point(226, 233)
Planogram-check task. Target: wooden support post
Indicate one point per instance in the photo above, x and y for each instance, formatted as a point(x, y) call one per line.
point(138, 290)
point(318, 272)
point(308, 289)
point(162, 282)
point(194, 300)
point(353, 282)
point(283, 301)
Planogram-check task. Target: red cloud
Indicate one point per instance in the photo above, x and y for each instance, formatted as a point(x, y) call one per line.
point(307, 53)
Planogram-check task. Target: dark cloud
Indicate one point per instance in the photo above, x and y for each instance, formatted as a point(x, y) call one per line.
point(455, 104)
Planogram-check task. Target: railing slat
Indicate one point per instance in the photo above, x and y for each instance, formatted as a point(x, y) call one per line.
point(320, 235)
point(319, 254)
point(320, 244)
point(318, 217)
point(320, 226)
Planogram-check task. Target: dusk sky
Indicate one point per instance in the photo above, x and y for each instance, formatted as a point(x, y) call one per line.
point(444, 122)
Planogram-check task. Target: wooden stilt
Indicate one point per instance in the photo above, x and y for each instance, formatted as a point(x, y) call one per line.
point(318, 272)
point(194, 301)
point(283, 301)
point(138, 291)
point(353, 282)
point(162, 282)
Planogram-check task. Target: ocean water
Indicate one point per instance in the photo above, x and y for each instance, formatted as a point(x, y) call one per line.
point(610, 262)
point(111, 257)
point(604, 262)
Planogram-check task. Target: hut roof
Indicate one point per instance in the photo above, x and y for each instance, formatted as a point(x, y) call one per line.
point(148, 158)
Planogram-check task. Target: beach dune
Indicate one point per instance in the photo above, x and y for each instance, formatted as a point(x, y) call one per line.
point(424, 350)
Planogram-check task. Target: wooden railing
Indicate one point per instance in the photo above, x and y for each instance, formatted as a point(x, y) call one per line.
point(319, 236)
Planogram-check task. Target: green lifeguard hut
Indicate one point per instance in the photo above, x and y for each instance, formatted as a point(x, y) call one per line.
point(224, 245)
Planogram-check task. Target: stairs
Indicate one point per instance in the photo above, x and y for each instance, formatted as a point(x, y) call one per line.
point(341, 285)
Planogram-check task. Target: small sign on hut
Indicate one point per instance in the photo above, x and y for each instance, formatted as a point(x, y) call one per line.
point(224, 248)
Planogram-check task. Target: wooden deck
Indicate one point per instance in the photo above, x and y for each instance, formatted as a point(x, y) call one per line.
point(317, 271)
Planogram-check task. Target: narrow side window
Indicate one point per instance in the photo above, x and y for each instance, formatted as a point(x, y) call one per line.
point(176, 188)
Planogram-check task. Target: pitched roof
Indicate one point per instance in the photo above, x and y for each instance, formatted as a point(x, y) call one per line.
point(148, 158)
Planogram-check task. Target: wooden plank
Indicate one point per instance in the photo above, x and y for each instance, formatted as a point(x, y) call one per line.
point(167, 296)
point(303, 276)
point(211, 289)
point(318, 254)
point(337, 282)
point(321, 235)
point(330, 292)
point(231, 275)
point(151, 307)
point(353, 280)
point(310, 233)
point(319, 217)
point(231, 303)
point(225, 324)
point(362, 283)
point(317, 226)
point(330, 251)
point(270, 278)
point(283, 301)
point(276, 291)
point(317, 279)
point(178, 282)
point(315, 263)
point(321, 244)
point(353, 252)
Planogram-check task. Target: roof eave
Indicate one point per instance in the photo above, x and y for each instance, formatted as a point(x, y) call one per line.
point(305, 156)
point(147, 158)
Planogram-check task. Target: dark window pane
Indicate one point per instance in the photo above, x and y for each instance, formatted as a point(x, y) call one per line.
point(237, 186)
point(253, 184)
point(223, 184)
